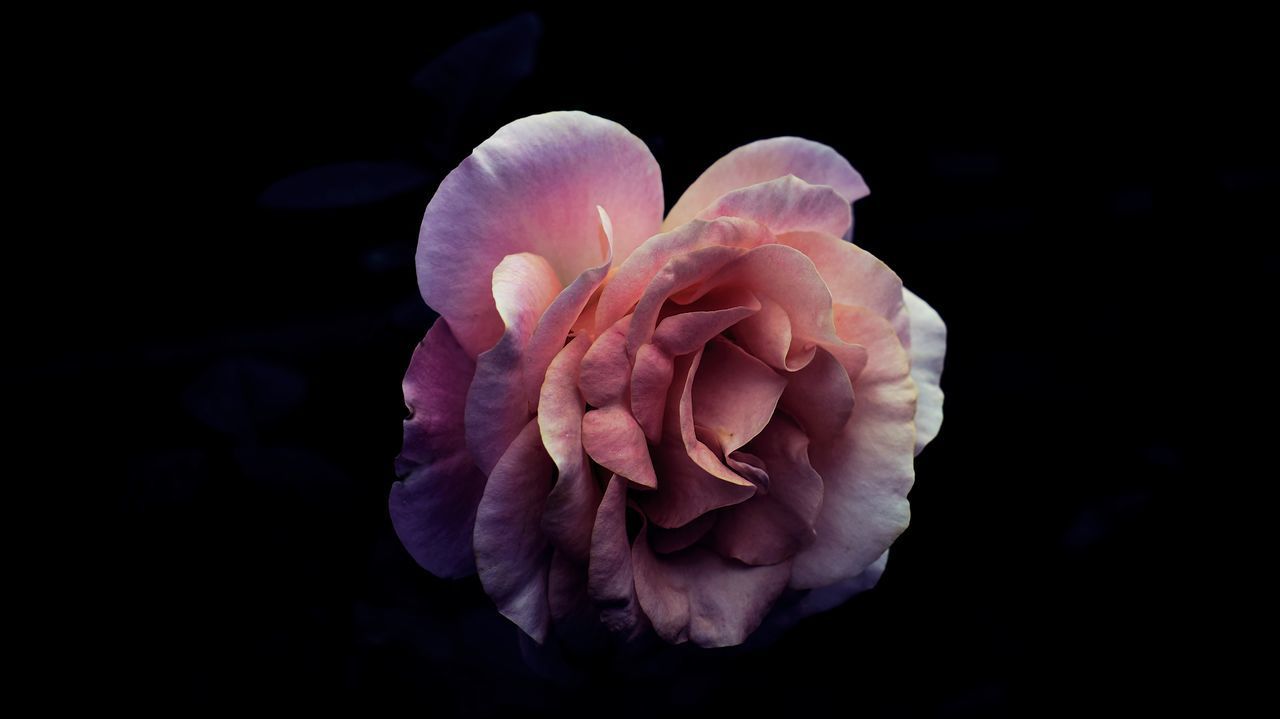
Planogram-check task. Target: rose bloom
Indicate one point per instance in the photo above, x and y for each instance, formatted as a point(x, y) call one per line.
point(658, 423)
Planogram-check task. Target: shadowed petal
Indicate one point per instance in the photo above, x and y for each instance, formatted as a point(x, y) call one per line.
point(771, 527)
point(533, 187)
point(572, 503)
point(512, 552)
point(523, 286)
point(766, 160)
point(650, 381)
point(606, 369)
point(787, 204)
point(434, 508)
point(928, 348)
point(698, 596)
point(869, 469)
point(820, 397)
point(610, 581)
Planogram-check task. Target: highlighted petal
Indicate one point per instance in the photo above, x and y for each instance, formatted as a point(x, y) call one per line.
point(434, 508)
point(523, 286)
point(854, 276)
point(533, 187)
point(869, 469)
point(787, 204)
point(698, 596)
point(650, 382)
point(928, 348)
point(512, 553)
point(765, 160)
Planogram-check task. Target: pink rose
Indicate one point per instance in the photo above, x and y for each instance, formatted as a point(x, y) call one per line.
point(744, 383)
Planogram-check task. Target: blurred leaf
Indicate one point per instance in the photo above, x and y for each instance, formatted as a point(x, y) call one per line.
point(474, 76)
point(348, 184)
point(240, 397)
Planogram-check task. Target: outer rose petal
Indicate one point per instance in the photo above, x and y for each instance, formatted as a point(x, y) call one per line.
point(533, 187)
point(523, 286)
point(766, 160)
point(434, 508)
point(787, 204)
point(696, 595)
point(610, 580)
point(867, 471)
point(512, 553)
point(928, 347)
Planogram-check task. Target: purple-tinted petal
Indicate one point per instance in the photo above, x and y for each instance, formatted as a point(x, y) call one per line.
point(571, 505)
point(820, 397)
point(512, 552)
point(734, 394)
point(610, 580)
point(698, 596)
point(613, 439)
point(434, 508)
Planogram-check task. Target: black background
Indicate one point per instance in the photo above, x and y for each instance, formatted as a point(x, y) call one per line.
point(232, 383)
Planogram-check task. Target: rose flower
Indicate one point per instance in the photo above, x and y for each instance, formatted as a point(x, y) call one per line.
point(664, 423)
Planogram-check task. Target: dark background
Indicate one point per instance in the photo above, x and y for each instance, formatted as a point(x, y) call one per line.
point(230, 396)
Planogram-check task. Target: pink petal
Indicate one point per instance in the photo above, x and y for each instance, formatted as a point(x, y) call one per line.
point(533, 187)
point(787, 204)
point(767, 335)
point(512, 553)
point(766, 160)
point(666, 541)
point(694, 480)
point(734, 394)
point(686, 332)
point(628, 284)
point(928, 348)
point(773, 526)
point(610, 581)
point(820, 397)
point(854, 276)
point(650, 381)
point(523, 286)
point(433, 509)
point(698, 596)
point(606, 370)
point(613, 439)
point(572, 503)
point(868, 470)
point(555, 323)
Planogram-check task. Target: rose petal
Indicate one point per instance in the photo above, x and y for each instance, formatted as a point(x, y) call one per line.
point(566, 586)
point(698, 596)
point(686, 332)
point(610, 581)
point(606, 370)
point(773, 526)
point(613, 439)
point(512, 552)
point(628, 284)
point(854, 276)
point(650, 381)
point(868, 470)
point(734, 394)
point(533, 187)
point(694, 480)
point(787, 204)
point(819, 397)
point(928, 348)
point(555, 323)
point(571, 506)
point(433, 509)
point(523, 286)
point(665, 541)
point(766, 160)
point(767, 335)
